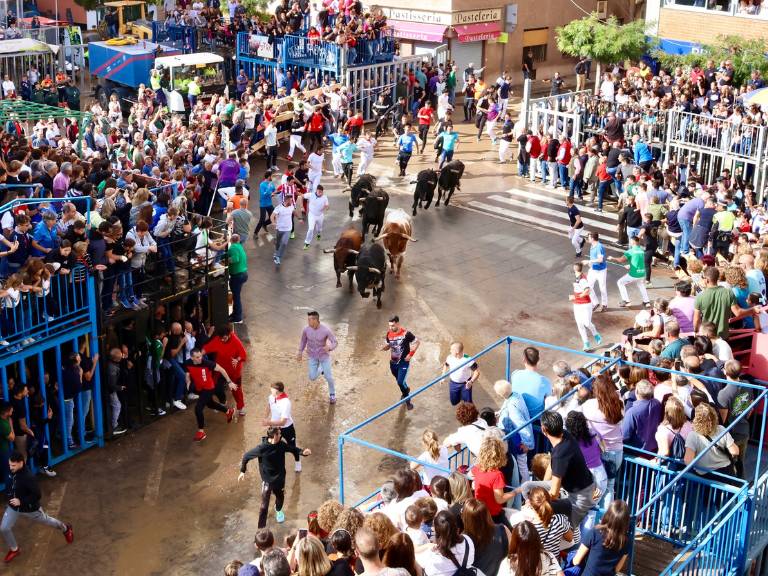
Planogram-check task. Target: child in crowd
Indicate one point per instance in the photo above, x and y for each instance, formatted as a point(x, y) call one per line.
point(413, 519)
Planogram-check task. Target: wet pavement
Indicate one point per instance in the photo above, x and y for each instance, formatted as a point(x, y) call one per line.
point(154, 502)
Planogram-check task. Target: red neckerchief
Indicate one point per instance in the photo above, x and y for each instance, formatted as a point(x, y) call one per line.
point(281, 396)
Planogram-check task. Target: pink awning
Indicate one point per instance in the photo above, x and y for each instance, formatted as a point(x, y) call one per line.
point(417, 31)
point(476, 32)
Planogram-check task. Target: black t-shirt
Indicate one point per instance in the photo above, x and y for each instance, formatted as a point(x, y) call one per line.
point(651, 237)
point(573, 211)
point(568, 464)
point(19, 414)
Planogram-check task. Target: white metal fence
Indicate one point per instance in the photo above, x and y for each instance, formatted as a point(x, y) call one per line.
point(365, 83)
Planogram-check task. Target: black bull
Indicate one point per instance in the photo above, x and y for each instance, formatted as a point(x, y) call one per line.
point(449, 180)
point(370, 271)
point(426, 182)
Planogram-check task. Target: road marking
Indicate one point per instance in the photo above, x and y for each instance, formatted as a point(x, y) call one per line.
point(561, 215)
point(42, 542)
point(155, 476)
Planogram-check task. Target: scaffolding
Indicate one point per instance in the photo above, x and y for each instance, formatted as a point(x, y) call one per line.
point(26, 112)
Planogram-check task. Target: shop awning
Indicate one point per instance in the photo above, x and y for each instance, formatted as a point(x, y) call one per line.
point(417, 31)
point(476, 32)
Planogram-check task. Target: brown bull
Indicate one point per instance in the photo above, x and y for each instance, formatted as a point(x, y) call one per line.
point(395, 234)
point(345, 254)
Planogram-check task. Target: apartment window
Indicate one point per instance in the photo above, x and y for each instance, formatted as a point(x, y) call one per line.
point(536, 40)
point(707, 5)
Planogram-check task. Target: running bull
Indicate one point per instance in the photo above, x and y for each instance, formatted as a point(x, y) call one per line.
point(426, 182)
point(449, 180)
point(345, 254)
point(396, 233)
point(373, 203)
point(370, 271)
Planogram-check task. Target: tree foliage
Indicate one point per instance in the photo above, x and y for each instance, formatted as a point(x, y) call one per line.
point(605, 41)
point(745, 54)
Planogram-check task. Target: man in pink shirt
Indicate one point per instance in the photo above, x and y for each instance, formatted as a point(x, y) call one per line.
point(319, 342)
point(61, 180)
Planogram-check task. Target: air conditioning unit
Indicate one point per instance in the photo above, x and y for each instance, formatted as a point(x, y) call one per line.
point(602, 8)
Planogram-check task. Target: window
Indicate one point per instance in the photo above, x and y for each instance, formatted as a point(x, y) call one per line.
point(536, 40)
point(725, 6)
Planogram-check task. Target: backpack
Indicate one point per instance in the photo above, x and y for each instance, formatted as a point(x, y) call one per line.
point(462, 569)
point(677, 446)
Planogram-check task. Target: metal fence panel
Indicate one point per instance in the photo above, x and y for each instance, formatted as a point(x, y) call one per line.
point(365, 83)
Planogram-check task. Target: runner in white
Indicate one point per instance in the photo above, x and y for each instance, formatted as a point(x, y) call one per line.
point(582, 307)
point(315, 161)
point(318, 206)
point(367, 145)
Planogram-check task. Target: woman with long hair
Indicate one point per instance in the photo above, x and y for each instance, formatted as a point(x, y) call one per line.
point(311, 557)
point(675, 422)
point(552, 528)
point(718, 458)
point(401, 554)
point(382, 527)
point(605, 413)
point(577, 426)
point(491, 540)
point(526, 555)
point(433, 453)
point(489, 479)
point(604, 550)
point(440, 490)
point(461, 491)
point(451, 548)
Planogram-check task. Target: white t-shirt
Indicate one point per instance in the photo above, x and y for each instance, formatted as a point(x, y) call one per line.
point(270, 136)
point(418, 537)
point(428, 473)
point(283, 217)
point(435, 564)
point(315, 162)
point(722, 350)
point(280, 408)
point(366, 147)
point(317, 204)
point(462, 374)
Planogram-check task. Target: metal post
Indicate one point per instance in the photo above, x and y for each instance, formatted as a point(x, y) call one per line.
point(341, 468)
point(670, 132)
point(760, 446)
point(525, 107)
point(759, 177)
point(508, 371)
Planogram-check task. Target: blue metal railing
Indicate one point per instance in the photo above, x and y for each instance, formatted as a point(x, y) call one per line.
point(182, 37)
point(331, 57)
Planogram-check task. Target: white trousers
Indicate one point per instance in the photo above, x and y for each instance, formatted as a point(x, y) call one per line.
point(625, 281)
point(314, 226)
point(295, 142)
point(365, 161)
point(503, 149)
point(599, 277)
point(314, 180)
point(336, 163)
point(583, 315)
point(534, 168)
point(490, 129)
point(575, 236)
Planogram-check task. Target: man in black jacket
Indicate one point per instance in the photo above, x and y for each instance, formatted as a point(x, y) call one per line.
point(271, 454)
point(24, 502)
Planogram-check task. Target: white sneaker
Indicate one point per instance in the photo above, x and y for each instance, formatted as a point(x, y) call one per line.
point(298, 467)
point(179, 404)
point(241, 412)
point(192, 396)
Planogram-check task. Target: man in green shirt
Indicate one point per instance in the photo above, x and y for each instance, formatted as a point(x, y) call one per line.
point(674, 342)
point(635, 257)
point(717, 304)
point(450, 84)
point(238, 276)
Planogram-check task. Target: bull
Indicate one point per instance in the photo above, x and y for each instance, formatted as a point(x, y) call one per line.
point(370, 271)
point(345, 254)
point(364, 186)
point(426, 181)
point(449, 180)
point(372, 210)
point(396, 233)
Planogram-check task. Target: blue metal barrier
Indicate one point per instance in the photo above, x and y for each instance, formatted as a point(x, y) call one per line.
point(182, 37)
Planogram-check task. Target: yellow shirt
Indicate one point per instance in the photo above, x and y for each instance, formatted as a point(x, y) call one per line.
point(479, 89)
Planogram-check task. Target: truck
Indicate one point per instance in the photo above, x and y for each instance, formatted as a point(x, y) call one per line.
point(121, 69)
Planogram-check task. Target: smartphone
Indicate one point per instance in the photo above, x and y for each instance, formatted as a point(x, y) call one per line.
point(302, 533)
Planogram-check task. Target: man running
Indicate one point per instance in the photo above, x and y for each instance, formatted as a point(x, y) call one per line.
point(598, 272)
point(319, 342)
point(449, 140)
point(317, 206)
point(635, 257)
point(315, 161)
point(271, 454)
point(582, 307)
point(200, 372)
point(24, 502)
point(405, 145)
point(367, 146)
point(231, 355)
point(280, 414)
point(402, 345)
point(577, 226)
point(282, 218)
point(425, 120)
point(346, 151)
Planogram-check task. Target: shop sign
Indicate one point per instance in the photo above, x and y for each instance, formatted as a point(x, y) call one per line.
point(476, 16)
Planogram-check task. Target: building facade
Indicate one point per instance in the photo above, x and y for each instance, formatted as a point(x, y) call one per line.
point(684, 25)
point(492, 33)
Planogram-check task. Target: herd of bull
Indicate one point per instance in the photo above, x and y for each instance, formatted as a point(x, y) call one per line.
point(367, 263)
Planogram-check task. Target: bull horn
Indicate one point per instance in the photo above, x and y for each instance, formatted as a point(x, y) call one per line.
point(373, 270)
point(352, 268)
point(381, 237)
point(355, 252)
point(328, 250)
point(409, 238)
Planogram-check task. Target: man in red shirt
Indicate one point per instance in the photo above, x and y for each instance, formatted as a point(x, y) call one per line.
point(355, 126)
point(425, 119)
point(533, 147)
point(315, 127)
point(230, 354)
point(200, 372)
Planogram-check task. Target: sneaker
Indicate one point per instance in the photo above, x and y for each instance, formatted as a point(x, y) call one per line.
point(598, 339)
point(118, 431)
point(408, 405)
point(279, 516)
point(586, 346)
point(602, 308)
point(48, 472)
point(332, 399)
point(200, 435)
point(179, 405)
point(624, 304)
point(648, 284)
point(306, 246)
point(230, 415)
point(160, 412)
point(297, 468)
point(578, 254)
point(241, 412)
point(192, 396)
point(4, 343)
point(292, 236)
point(12, 554)
point(318, 236)
point(69, 534)
point(276, 260)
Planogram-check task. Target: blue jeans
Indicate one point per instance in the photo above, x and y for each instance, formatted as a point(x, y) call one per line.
point(399, 370)
point(678, 252)
point(69, 419)
point(85, 404)
point(576, 187)
point(632, 232)
point(686, 226)
point(125, 293)
point(459, 393)
point(601, 188)
point(180, 379)
point(522, 168)
point(544, 169)
point(166, 252)
point(236, 283)
point(446, 156)
point(563, 171)
point(322, 366)
point(612, 460)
